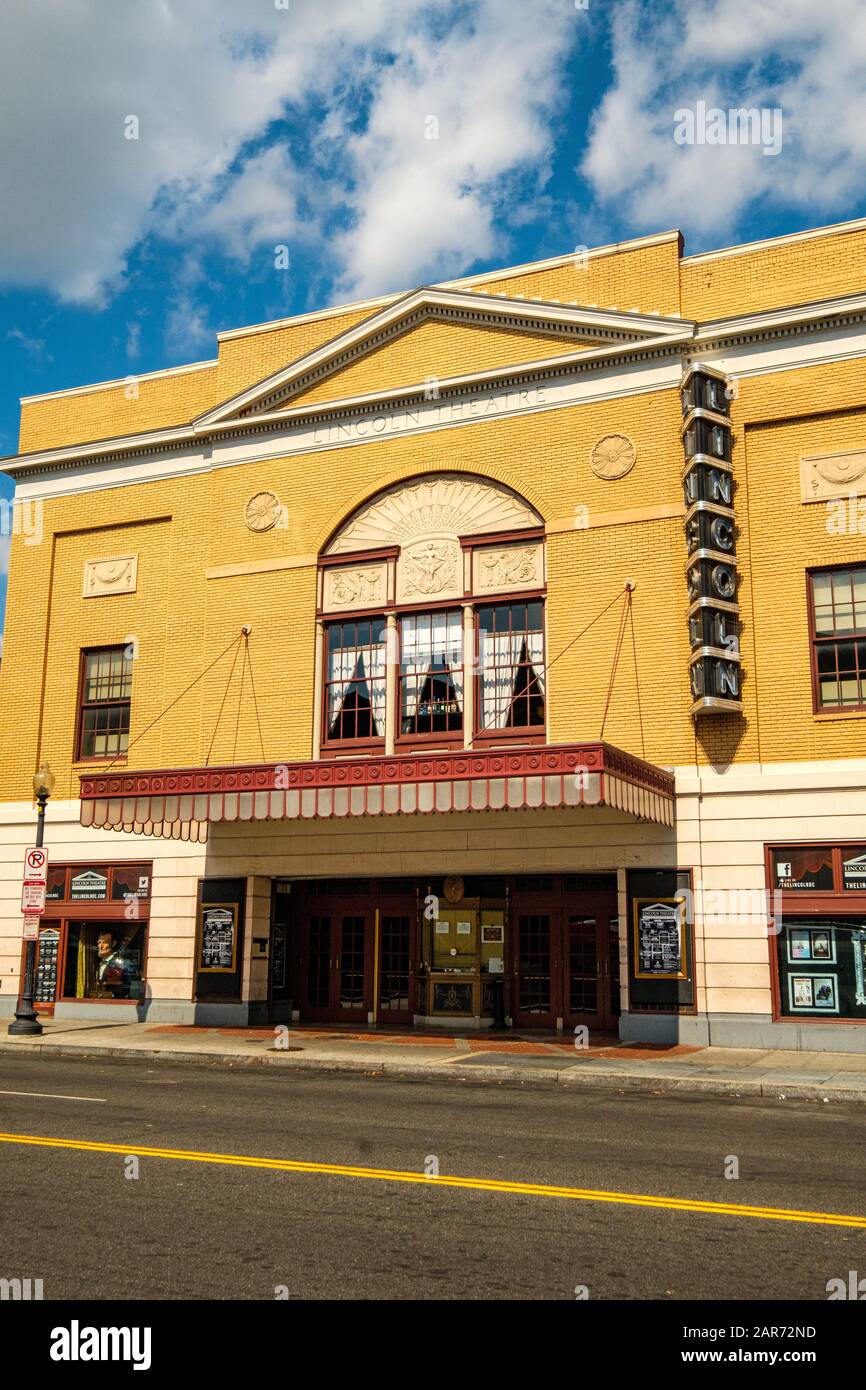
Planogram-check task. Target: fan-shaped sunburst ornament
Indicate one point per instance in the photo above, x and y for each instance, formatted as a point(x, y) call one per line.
point(612, 457)
point(262, 512)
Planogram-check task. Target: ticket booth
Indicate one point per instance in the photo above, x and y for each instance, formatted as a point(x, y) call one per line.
point(465, 952)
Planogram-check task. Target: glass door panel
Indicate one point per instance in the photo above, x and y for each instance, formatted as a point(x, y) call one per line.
point(583, 977)
point(319, 963)
point(534, 983)
point(394, 968)
point(350, 966)
point(613, 971)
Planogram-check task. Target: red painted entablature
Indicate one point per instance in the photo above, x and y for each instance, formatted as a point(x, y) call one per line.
point(181, 802)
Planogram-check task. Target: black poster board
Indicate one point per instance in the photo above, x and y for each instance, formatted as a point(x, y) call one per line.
point(660, 958)
point(219, 938)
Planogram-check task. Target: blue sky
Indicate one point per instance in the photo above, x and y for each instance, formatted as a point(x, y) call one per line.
point(385, 144)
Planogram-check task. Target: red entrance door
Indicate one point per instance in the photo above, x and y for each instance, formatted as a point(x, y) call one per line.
point(336, 966)
point(566, 960)
point(356, 956)
point(396, 954)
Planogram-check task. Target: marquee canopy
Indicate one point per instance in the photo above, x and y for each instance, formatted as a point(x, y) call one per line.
point(181, 803)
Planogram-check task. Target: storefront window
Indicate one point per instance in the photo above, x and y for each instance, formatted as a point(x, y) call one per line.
point(105, 961)
point(55, 890)
point(822, 967)
point(854, 868)
point(130, 881)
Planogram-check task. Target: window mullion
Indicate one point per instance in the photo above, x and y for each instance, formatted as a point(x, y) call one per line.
point(392, 684)
point(468, 674)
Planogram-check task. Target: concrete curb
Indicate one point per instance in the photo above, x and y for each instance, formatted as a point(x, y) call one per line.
point(573, 1078)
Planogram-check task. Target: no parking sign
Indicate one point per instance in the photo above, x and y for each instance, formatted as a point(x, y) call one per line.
point(35, 879)
point(36, 865)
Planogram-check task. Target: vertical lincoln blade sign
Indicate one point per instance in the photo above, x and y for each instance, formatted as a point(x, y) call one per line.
point(711, 567)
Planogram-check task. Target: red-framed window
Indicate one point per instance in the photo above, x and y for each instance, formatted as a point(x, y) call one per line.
point(427, 694)
point(355, 682)
point(430, 694)
point(105, 699)
point(511, 668)
point(817, 931)
point(837, 611)
point(94, 938)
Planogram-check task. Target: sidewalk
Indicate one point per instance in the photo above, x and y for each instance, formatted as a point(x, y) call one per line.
point(524, 1059)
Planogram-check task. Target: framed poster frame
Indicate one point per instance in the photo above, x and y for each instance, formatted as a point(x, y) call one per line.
point(679, 905)
point(203, 910)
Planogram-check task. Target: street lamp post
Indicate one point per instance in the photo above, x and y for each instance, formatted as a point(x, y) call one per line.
point(25, 1020)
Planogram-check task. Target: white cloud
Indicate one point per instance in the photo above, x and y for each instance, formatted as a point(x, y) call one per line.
point(34, 347)
point(807, 59)
point(5, 541)
point(207, 78)
point(485, 92)
point(133, 339)
point(260, 205)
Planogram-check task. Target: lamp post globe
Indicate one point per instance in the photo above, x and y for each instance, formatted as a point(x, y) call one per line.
point(25, 1021)
point(43, 783)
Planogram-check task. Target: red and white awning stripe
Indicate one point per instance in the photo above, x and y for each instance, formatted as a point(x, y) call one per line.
point(180, 804)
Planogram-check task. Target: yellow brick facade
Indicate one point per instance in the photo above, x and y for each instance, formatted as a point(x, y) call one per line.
point(601, 534)
point(776, 773)
point(778, 274)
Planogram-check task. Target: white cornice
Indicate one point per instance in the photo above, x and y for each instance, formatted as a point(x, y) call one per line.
point(833, 229)
point(507, 312)
point(806, 321)
point(780, 320)
point(625, 376)
point(583, 361)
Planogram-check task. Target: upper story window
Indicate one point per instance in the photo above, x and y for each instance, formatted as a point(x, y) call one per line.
point(355, 680)
point(431, 673)
point(838, 606)
point(430, 598)
point(511, 665)
point(106, 694)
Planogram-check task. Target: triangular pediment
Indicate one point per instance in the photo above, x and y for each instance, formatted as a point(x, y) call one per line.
point(434, 336)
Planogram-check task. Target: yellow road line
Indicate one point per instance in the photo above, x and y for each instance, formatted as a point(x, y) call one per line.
point(516, 1189)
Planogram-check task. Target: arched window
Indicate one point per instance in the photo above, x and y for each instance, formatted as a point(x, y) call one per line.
point(431, 616)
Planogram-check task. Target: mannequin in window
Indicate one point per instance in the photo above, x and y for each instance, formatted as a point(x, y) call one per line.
point(113, 969)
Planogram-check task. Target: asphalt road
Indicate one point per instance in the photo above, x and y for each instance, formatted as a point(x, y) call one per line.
point(200, 1230)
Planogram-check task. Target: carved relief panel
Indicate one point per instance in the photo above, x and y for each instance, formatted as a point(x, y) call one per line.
point(356, 587)
point(508, 568)
point(825, 476)
point(425, 518)
point(116, 574)
point(432, 568)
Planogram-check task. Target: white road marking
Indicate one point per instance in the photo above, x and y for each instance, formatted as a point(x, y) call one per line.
point(46, 1095)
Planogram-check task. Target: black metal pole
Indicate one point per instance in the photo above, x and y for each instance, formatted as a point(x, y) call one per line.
point(497, 990)
point(25, 1020)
